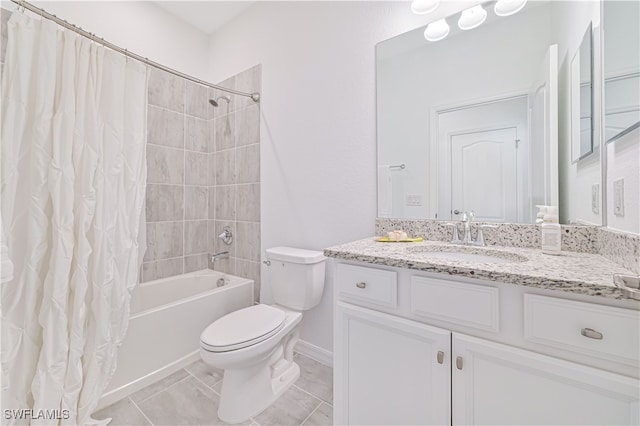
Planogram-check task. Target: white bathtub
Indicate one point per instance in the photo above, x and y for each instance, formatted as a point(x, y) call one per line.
point(167, 317)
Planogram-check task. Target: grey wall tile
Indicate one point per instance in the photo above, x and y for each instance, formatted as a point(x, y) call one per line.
point(224, 133)
point(4, 18)
point(166, 90)
point(225, 207)
point(211, 236)
point(148, 271)
point(248, 125)
point(248, 164)
point(165, 165)
point(196, 203)
point(196, 168)
point(197, 101)
point(197, 134)
point(248, 235)
point(195, 237)
point(169, 240)
point(196, 262)
point(168, 267)
point(251, 270)
point(150, 254)
point(228, 266)
point(211, 158)
point(164, 202)
point(212, 203)
point(165, 127)
point(248, 81)
point(248, 202)
point(225, 167)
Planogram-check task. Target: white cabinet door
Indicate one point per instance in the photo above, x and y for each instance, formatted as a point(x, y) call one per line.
point(387, 370)
point(497, 384)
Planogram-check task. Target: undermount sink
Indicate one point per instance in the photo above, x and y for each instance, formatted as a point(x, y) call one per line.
point(466, 254)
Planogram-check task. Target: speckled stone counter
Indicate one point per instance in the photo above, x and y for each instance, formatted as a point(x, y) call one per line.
point(583, 273)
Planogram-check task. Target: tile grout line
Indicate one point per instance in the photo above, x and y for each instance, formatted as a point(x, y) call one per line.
point(308, 393)
point(311, 414)
point(203, 383)
point(140, 410)
point(164, 389)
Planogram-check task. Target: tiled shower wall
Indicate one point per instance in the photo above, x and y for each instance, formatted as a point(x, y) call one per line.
point(203, 173)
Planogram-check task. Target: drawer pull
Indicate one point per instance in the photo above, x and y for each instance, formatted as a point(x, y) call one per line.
point(440, 357)
point(591, 333)
point(361, 285)
point(459, 363)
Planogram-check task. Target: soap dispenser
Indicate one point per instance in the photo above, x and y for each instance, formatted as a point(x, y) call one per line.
point(551, 235)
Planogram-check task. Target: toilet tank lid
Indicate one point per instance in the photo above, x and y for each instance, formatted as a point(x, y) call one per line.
point(294, 255)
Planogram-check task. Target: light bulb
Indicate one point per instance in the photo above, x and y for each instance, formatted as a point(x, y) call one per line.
point(509, 7)
point(472, 17)
point(437, 30)
point(422, 7)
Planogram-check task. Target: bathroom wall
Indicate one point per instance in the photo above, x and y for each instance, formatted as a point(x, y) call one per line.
point(623, 162)
point(139, 26)
point(318, 154)
point(203, 173)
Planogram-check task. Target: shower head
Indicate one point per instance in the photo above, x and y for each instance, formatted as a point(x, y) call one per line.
point(215, 102)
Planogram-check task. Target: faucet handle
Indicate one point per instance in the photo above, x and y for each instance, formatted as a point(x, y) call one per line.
point(455, 238)
point(480, 237)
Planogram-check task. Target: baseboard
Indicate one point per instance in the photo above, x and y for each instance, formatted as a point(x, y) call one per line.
point(314, 352)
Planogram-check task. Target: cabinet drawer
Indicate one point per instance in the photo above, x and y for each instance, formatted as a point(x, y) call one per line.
point(470, 305)
point(357, 283)
point(600, 331)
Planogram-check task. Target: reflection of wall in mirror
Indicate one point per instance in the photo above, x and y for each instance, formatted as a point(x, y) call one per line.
point(621, 65)
point(570, 20)
point(411, 85)
point(623, 162)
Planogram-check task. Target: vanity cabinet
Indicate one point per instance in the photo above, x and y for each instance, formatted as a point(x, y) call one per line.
point(414, 355)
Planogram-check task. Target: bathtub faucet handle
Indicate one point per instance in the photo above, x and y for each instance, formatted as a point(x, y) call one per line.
point(226, 236)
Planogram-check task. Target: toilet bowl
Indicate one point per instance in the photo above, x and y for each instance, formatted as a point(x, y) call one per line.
point(254, 346)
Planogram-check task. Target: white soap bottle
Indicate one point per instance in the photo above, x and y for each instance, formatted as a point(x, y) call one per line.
point(551, 235)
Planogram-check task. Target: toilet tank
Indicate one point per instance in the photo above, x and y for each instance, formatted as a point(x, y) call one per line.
point(296, 276)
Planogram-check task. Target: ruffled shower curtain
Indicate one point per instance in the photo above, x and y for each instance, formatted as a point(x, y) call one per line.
point(73, 183)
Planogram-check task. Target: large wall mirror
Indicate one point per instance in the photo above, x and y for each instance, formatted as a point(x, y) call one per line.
point(621, 67)
point(582, 99)
point(481, 119)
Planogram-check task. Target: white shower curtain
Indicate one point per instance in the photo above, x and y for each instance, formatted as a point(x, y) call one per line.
point(73, 183)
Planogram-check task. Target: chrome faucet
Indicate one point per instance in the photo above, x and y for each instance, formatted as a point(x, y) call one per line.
point(467, 218)
point(467, 239)
point(219, 256)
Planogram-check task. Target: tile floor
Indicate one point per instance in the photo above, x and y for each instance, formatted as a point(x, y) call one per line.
point(191, 396)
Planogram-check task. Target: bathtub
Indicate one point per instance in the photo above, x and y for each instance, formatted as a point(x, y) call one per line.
point(167, 317)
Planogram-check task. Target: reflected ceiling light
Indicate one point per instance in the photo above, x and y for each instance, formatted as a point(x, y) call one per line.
point(422, 7)
point(509, 7)
point(471, 18)
point(437, 30)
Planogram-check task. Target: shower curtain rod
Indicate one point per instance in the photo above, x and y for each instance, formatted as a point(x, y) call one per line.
point(26, 5)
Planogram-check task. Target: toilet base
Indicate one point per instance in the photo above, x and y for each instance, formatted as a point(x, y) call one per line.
point(246, 393)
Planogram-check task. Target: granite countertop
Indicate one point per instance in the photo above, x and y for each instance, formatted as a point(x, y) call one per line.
point(574, 272)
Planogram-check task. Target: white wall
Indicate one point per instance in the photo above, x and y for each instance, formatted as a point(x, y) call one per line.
point(141, 27)
point(623, 162)
point(318, 165)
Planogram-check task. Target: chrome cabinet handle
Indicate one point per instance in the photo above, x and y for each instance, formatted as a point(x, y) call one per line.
point(591, 333)
point(361, 285)
point(440, 357)
point(459, 363)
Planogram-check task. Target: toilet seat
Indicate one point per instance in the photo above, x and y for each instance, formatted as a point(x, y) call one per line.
point(242, 328)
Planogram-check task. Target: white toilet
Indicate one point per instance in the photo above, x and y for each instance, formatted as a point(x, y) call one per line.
point(254, 345)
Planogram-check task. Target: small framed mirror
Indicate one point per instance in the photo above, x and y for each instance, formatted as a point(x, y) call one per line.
point(582, 98)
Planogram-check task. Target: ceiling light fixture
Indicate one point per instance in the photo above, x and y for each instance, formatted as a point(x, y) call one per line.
point(509, 7)
point(472, 17)
point(422, 7)
point(437, 30)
